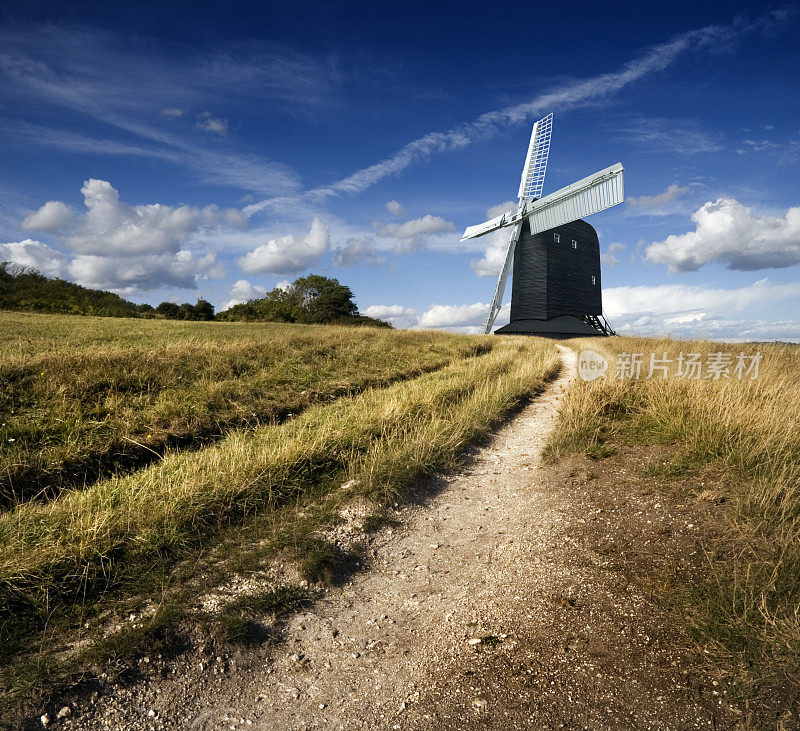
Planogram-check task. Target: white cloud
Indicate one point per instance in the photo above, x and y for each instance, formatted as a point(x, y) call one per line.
point(396, 209)
point(124, 248)
point(128, 275)
point(288, 254)
point(730, 233)
point(173, 112)
point(610, 258)
point(400, 316)
point(673, 299)
point(453, 315)
point(428, 224)
point(51, 217)
point(35, 255)
point(357, 251)
point(208, 123)
point(698, 311)
point(111, 227)
point(461, 318)
point(495, 254)
point(666, 299)
point(660, 199)
point(243, 291)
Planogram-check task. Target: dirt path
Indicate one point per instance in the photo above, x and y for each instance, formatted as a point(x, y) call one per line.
point(483, 611)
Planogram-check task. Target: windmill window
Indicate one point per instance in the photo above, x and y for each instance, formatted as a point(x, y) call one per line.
point(594, 279)
point(556, 238)
point(574, 244)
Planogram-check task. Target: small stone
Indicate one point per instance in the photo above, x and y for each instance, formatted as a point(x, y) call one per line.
point(322, 705)
point(45, 719)
point(479, 703)
point(151, 713)
point(474, 641)
point(65, 712)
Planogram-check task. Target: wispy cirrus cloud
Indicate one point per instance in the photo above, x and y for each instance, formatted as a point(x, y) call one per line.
point(682, 136)
point(107, 78)
point(568, 96)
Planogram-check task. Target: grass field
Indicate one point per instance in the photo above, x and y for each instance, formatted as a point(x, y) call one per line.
point(261, 490)
point(745, 436)
point(83, 398)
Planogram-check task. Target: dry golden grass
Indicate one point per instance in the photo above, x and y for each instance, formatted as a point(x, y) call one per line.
point(748, 615)
point(57, 558)
point(83, 397)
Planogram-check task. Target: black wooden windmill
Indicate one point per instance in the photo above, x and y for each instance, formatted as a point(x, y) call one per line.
point(555, 255)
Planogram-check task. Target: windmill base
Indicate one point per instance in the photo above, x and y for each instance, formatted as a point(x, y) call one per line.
point(560, 327)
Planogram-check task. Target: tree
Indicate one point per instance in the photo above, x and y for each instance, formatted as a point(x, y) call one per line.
point(321, 299)
point(168, 310)
point(311, 299)
point(204, 310)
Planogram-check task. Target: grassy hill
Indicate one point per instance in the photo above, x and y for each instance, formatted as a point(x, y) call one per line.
point(30, 291)
point(269, 429)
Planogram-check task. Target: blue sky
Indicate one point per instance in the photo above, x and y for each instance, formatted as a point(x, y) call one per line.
point(177, 150)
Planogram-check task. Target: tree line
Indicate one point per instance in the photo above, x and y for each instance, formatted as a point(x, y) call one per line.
point(311, 299)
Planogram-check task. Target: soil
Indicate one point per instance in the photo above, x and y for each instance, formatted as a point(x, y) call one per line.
point(514, 596)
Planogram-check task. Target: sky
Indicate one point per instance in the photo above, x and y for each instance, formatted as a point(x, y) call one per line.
point(173, 151)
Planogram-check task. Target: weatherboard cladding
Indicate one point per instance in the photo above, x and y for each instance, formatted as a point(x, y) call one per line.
point(551, 278)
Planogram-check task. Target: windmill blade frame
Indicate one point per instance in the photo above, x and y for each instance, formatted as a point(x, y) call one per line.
point(592, 194)
point(532, 182)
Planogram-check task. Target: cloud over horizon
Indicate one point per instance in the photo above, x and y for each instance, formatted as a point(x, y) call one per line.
point(730, 233)
point(288, 254)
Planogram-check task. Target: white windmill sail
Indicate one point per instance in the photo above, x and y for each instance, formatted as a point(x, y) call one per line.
point(593, 194)
point(532, 182)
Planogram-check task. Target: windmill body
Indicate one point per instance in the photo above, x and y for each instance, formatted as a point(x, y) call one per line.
point(554, 255)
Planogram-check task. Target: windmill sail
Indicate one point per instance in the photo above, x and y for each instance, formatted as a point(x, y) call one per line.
point(593, 194)
point(532, 182)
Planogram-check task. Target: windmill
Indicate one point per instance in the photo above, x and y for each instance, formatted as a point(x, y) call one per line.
point(555, 255)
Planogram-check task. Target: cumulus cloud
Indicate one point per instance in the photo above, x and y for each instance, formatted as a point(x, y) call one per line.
point(288, 254)
point(660, 199)
point(209, 123)
point(415, 227)
point(124, 248)
point(35, 255)
point(396, 209)
point(677, 299)
point(461, 318)
point(400, 316)
point(410, 236)
point(497, 243)
point(610, 258)
point(51, 217)
point(730, 233)
point(127, 275)
point(113, 227)
point(699, 311)
point(357, 251)
point(243, 291)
